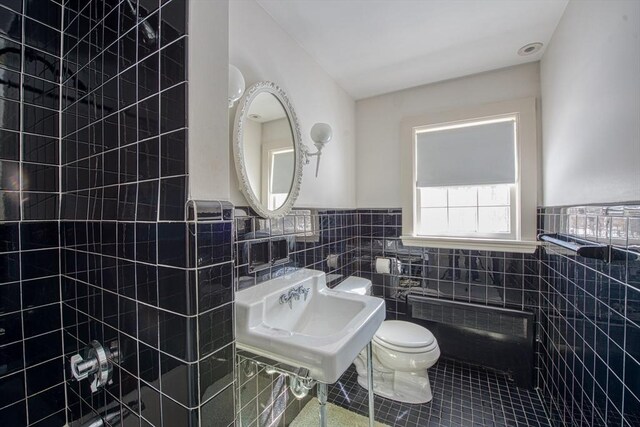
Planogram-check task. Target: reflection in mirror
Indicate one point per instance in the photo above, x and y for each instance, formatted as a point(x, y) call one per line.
point(280, 176)
point(268, 147)
point(266, 150)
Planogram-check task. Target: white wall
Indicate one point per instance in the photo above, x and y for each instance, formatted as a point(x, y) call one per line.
point(263, 51)
point(208, 75)
point(591, 105)
point(378, 123)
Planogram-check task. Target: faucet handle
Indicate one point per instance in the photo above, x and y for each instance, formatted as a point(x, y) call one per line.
point(286, 298)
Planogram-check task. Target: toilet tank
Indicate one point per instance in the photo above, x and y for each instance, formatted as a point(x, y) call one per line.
point(355, 285)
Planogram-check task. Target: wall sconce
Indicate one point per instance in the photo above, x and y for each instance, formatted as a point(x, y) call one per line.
point(321, 134)
point(236, 85)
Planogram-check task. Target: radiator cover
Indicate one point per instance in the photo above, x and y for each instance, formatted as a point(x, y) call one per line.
point(494, 337)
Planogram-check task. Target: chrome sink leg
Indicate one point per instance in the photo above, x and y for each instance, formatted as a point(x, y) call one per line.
point(370, 382)
point(322, 400)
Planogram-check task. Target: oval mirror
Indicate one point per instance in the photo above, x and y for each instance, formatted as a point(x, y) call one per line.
point(266, 149)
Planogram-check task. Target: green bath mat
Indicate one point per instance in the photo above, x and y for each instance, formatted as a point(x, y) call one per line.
point(336, 417)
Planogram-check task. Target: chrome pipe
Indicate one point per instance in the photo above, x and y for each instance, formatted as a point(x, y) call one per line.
point(322, 400)
point(370, 383)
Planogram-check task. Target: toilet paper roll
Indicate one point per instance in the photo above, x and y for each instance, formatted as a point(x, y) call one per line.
point(332, 261)
point(383, 265)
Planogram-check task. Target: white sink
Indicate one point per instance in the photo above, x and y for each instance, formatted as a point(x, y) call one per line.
point(323, 333)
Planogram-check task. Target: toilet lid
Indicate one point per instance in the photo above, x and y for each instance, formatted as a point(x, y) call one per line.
point(404, 334)
point(355, 285)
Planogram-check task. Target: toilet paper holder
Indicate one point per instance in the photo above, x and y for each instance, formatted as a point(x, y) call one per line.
point(97, 361)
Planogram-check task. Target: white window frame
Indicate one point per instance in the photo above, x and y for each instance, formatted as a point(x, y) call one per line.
point(270, 158)
point(526, 190)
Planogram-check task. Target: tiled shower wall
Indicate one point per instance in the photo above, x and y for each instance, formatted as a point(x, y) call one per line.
point(136, 273)
point(31, 363)
point(589, 323)
point(110, 156)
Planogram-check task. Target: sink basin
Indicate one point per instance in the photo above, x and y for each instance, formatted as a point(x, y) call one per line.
point(322, 333)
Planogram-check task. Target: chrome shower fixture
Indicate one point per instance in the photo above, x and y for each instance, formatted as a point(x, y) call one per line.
point(148, 33)
point(97, 362)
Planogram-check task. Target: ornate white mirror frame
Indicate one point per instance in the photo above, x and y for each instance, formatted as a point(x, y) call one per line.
point(242, 114)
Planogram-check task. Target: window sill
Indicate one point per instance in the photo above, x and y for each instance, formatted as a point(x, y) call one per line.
point(518, 246)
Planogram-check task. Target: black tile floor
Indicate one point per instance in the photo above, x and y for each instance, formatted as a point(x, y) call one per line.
point(463, 395)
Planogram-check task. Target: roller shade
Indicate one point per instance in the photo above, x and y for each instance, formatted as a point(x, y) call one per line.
point(282, 172)
point(483, 154)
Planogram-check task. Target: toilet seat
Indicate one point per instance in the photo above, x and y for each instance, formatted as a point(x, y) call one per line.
point(405, 337)
point(409, 350)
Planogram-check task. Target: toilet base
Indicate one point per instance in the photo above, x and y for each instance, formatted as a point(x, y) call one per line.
point(406, 387)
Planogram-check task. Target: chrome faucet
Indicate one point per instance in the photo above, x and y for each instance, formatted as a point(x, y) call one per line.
point(294, 293)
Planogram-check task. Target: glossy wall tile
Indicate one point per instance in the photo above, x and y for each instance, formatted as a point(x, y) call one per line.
point(135, 270)
point(31, 364)
point(589, 323)
point(500, 279)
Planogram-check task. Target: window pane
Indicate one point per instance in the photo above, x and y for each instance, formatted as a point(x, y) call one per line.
point(494, 220)
point(495, 195)
point(433, 197)
point(463, 196)
point(463, 220)
point(433, 221)
point(277, 200)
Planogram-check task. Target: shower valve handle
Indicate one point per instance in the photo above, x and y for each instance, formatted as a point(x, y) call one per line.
point(97, 362)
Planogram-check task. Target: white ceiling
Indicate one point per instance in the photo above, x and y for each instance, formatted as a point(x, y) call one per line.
point(371, 47)
point(266, 107)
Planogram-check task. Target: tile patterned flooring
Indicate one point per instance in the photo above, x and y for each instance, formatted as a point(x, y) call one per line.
point(463, 395)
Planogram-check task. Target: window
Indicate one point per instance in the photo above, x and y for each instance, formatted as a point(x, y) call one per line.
point(280, 175)
point(470, 210)
point(471, 177)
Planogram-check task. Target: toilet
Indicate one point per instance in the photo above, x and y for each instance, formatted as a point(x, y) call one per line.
point(402, 353)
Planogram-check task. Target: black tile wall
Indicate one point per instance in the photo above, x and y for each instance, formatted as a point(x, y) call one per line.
point(173, 323)
point(490, 278)
point(589, 325)
point(312, 236)
point(31, 364)
point(134, 270)
point(112, 119)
